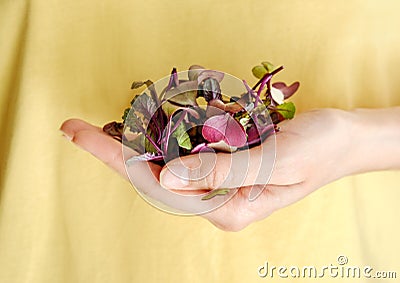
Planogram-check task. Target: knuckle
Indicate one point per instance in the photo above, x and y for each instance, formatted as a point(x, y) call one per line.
point(211, 180)
point(117, 157)
point(217, 176)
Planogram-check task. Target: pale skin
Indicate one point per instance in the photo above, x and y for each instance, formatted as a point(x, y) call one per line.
point(312, 150)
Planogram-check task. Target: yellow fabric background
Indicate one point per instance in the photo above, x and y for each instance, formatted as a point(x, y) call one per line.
point(65, 217)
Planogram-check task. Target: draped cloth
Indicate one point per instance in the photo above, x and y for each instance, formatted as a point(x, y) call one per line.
point(66, 217)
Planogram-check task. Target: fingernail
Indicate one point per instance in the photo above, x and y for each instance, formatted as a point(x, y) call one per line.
point(66, 136)
point(175, 177)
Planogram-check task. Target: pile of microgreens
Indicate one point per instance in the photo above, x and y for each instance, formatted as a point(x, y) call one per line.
point(161, 127)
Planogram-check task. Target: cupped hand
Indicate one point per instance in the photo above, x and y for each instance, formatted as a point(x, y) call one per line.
point(310, 150)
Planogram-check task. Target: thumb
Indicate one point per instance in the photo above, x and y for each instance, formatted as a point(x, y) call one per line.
point(208, 170)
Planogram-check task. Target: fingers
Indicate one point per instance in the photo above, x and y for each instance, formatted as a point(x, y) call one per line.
point(271, 199)
point(211, 171)
point(72, 126)
point(143, 175)
point(96, 142)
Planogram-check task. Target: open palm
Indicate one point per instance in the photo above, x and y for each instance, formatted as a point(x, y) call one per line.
point(309, 149)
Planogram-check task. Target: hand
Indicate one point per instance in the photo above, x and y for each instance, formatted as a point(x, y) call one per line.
point(297, 171)
point(314, 149)
point(310, 152)
point(101, 145)
point(111, 152)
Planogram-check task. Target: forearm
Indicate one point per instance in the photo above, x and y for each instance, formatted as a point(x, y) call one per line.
point(374, 140)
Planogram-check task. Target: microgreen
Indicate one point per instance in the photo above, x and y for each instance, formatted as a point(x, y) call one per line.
point(216, 192)
point(172, 123)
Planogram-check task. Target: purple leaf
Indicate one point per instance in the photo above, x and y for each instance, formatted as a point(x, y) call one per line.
point(194, 72)
point(257, 135)
point(215, 107)
point(226, 128)
point(210, 74)
point(193, 112)
point(252, 133)
point(145, 105)
point(114, 129)
point(214, 128)
point(287, 91)
point(151, 88)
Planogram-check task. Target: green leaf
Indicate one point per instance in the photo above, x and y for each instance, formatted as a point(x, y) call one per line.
point(138, 84)
point(169, 108)
point(185, 98)
point(217, 192)
point(182, 137)
point(150, 87)
point(268, 66)
point(132, 121)
point(126, 112)
point(147, 144)
point(145, 105)
point(184, 94)
point(259, 71)
point(287, 110)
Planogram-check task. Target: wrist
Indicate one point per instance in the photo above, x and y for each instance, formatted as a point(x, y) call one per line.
point(374, 140)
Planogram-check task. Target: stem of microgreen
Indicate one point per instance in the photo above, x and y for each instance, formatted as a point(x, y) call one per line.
point(266, 75)
point(172, 80)
point(167, 135)
point(153, 143)
point(184, 112)
point(251, 91)
point(169, 131)
point(175, 76)
point(260, 89)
